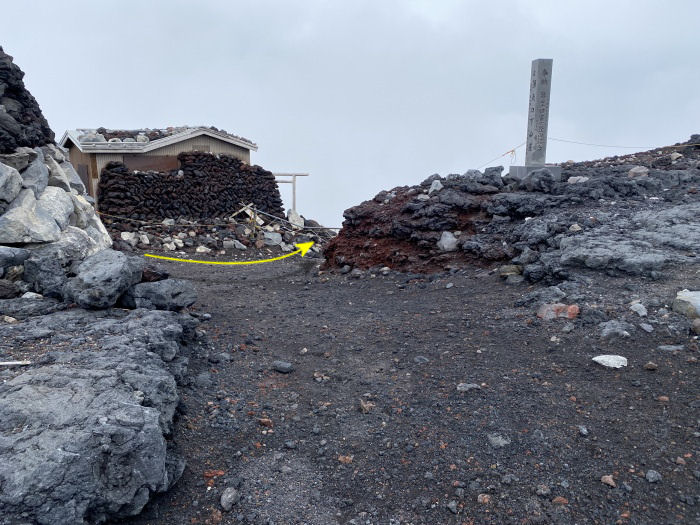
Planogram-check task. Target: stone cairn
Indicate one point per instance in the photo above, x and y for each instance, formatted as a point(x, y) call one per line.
point(87, 397)
point(45, 214)
point(206, 186)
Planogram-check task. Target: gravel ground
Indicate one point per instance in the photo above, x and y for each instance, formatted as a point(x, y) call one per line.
point(433, 400)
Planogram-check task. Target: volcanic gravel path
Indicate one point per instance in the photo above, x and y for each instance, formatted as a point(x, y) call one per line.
point(370, 427)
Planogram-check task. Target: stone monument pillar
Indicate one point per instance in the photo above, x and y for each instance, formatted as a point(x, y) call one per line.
point(537, 120)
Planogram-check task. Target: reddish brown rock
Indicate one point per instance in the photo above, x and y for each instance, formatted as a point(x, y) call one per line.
point(558, 311)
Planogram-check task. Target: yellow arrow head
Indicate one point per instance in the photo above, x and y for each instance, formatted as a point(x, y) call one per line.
point(304, 247)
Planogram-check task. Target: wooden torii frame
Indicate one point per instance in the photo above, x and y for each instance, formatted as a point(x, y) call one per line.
point(293, 182)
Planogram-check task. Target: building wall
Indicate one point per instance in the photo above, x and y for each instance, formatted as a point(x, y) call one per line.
point(203, 143)
point(79, 160)
point(84, 164)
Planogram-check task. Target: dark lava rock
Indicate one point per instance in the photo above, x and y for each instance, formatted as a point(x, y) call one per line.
point(83, 432)
point(102, 278)
point(23, 308)
point(48, 266)
point(21, 120)
point(151, 275)
point(603, 220)
point(283, 367)
point(168, 294)
point(8, 289)
point(10, 256)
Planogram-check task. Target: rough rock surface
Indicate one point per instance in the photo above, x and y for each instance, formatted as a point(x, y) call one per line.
point(53, 225)
point(21, 120)
point(168, 294)
point(102, 278)
point(83, 428)
point(44, 209)
point(82, 433)
point(596, 218)
point(48, 265)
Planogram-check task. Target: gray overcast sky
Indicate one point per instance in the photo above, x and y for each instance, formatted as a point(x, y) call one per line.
point(366, 94)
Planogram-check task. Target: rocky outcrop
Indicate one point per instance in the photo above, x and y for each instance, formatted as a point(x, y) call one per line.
point(168, 294)
point(82, 435)
point(601, 216)
point(206, 186)
point(39, 202)
point(21, 120)
point(102, 278)
point(83, 431)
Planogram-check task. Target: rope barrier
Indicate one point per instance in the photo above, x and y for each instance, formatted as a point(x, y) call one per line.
point(512, 152)
point(160, 224)
point(625, 147)
point(509, 152)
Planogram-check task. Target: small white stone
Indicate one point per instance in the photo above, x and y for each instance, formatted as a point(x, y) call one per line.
point(295, 219)
point(447, 242)
point(466, 387)
point(687, 303)
point(31, 295)
point(203, 249)
point(638, 171)
point(435, 187)
point(639, 309)
point(611, 361)
point(129, 237)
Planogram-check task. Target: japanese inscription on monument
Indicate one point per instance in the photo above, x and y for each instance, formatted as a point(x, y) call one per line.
point(538, 112)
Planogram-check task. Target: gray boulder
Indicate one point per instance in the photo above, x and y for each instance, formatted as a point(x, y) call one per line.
point(10, 256)
point(47, 267)
point(82, 211)
point(21, 308)
point(102, 278)
point(10, 185)
point(20, 159)
point(272, 238)
point(687, 303)
point(493, 176)
point(36, 176)
point(74, 179)
point(84, 217)
point(600, 252)
point(24, 222)
point(57, 153)
point(168, 294)
point(8, 289)
point(615, 328)
point(56, 203)
point(83, 434)
point(57, 177)
point(539, 180)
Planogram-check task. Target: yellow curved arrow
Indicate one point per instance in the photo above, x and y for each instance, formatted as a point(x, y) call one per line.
point(303, 248)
